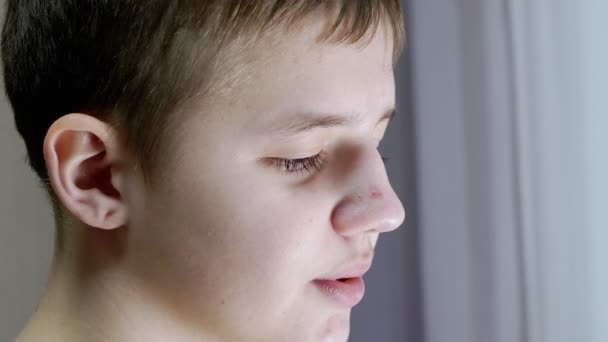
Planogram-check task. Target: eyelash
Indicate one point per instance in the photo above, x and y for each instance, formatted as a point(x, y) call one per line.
point(309, 164)
point(301, 165)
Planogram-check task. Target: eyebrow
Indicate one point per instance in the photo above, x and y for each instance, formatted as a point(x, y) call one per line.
point(308, 121)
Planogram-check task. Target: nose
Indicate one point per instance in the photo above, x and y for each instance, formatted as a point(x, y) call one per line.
point(369, 203)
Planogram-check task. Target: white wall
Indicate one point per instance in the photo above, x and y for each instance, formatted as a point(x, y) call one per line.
point(467, 171)
point(560, 56)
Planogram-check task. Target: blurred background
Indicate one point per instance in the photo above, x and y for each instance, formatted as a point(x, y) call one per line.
point(500, 155)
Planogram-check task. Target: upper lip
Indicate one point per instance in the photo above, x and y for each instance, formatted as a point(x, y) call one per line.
point(352, 270)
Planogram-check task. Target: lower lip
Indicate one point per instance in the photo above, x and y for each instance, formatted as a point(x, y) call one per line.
point(348, 293)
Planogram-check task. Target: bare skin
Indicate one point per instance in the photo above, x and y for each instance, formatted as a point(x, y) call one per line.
point(226, 248)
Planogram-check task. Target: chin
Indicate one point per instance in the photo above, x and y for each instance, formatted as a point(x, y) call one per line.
point(336, 328)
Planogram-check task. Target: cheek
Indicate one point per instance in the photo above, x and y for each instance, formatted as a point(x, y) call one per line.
point(241, 236)
point(240, 245)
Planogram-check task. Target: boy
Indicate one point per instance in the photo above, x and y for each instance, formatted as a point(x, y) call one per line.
point(213, 165)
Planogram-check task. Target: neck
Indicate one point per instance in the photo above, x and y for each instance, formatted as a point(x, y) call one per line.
point(96, 302)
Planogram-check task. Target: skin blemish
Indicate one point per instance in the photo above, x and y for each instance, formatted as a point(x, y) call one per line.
point(375, 194)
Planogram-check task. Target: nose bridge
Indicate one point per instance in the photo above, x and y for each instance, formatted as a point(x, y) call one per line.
point(369, 203)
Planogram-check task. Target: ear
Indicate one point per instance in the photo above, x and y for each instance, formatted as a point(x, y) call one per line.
point(83, 158)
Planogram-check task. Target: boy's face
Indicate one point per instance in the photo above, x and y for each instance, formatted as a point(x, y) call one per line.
point(234, 238)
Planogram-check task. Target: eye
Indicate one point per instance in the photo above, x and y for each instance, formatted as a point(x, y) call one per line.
point(300, 165)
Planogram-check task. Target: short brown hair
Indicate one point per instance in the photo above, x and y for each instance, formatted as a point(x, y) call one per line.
point(132, 63)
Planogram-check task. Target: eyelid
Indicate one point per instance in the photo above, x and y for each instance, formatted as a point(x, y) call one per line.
point(300, 165)
point(312, 163)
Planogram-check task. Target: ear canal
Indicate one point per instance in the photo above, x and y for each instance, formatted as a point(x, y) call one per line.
point(95, 174)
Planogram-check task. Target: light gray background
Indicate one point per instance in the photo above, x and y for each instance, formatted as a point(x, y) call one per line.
point(466, 166)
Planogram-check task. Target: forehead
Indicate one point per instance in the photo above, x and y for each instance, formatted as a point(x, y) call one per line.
point(295, 71)
point(300, 52)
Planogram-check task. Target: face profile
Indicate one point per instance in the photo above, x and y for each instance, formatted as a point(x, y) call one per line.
point(277, 194)
point(263, 217)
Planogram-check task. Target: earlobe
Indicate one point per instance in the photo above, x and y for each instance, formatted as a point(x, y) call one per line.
point(83, 157)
